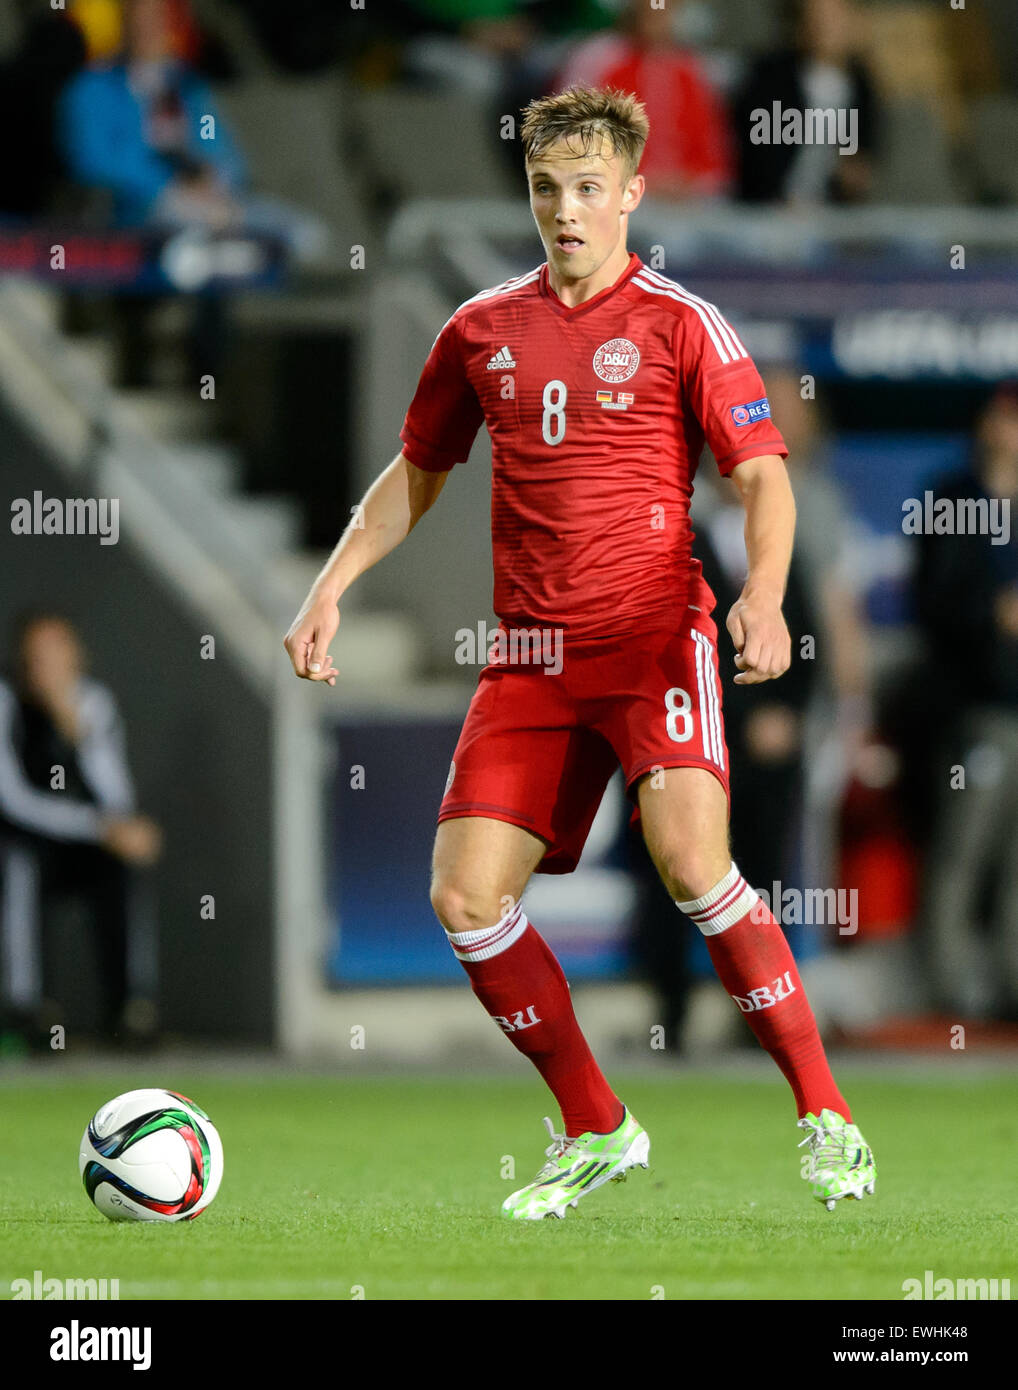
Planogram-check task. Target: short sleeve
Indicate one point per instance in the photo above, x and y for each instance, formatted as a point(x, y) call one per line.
point(445, 414)
point(724, 389)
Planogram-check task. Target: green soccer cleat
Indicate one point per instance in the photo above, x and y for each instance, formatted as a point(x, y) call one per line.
point(578, 1166)
point(840, 1161)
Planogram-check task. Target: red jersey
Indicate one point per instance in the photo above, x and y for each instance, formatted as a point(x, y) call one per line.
point(597, 416)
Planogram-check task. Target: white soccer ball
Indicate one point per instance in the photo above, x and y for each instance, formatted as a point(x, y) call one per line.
point(151, 1155)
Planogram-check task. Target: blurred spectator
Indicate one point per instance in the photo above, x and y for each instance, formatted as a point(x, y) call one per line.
point(827, 558)
point(135, 127)
point(764, 726)
point(689, 153)
point(51, 51)
point(853, 835)
point(826, 544)
point(80, 839)
point(967, 605)
point(821, 71)
point(146, 130)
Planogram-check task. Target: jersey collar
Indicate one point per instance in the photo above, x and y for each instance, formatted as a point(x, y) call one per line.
point(573, 311)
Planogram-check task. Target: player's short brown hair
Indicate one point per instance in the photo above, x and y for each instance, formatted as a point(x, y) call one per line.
point(591, 115)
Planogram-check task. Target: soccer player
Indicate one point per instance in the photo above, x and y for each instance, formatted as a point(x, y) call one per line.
point(599, 380)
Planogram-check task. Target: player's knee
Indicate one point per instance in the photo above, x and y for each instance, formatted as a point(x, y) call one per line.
point(691, 872)
point(459, 908)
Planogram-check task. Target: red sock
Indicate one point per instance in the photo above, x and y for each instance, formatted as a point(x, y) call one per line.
point(756, 966)
point(518, 980)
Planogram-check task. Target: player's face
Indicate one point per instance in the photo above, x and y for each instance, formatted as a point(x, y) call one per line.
point(581, 204)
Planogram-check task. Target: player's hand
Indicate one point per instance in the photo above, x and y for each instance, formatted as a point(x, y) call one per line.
point(762, 642)
point(307, 642)
point(134, 839)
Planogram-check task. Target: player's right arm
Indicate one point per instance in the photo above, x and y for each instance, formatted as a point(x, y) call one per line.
point(444, 417)
point(390, 510)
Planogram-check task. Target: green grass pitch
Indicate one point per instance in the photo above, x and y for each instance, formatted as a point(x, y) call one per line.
point(393, 1185)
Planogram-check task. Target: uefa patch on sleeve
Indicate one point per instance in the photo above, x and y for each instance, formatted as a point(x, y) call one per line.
point(752, 411)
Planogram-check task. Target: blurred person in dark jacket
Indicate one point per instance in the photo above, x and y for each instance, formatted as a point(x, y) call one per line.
point(764, 729)
point(69, 828)
point(820, 71)
point(832, 565)
point(966, 592)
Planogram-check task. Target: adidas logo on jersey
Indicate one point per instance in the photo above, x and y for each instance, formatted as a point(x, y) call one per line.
point(501, 360)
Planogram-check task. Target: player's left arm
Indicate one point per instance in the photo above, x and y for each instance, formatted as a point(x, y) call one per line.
point(758, 629)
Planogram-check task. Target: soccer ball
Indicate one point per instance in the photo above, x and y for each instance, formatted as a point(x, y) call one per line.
point(151, 1155)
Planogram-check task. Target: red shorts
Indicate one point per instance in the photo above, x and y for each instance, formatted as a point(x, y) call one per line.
point(537, 750)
